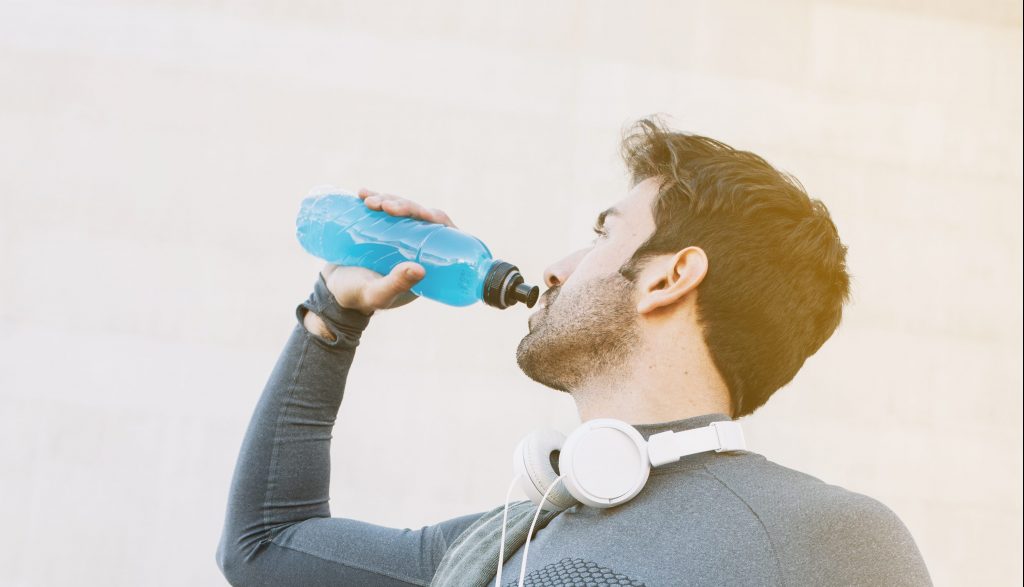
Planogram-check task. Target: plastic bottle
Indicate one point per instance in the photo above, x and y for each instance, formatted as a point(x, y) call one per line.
point(338, 227)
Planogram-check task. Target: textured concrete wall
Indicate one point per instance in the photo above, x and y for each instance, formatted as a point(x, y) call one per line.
point(152, 157)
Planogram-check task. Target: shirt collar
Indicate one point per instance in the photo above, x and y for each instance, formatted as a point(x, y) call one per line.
point(646, 430)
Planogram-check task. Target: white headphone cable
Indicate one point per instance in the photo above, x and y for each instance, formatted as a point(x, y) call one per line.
point(526, 553)
point(504, 519)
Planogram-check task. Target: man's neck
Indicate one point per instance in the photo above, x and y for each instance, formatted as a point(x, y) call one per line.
point(656, 389)
point(635, 404)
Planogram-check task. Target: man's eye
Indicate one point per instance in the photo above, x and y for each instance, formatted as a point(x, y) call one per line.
point(600, 233)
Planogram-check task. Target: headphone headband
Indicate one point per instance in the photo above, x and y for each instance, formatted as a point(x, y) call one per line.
point(669, 446)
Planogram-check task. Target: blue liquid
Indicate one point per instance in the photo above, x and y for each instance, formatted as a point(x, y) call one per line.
point(340, 229)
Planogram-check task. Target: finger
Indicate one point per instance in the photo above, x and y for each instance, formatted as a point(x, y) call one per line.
point(328, 269)
point(373, 202)
point(397, 207)
point(381, 198)
point(380, 292)
point(441, 217)
point(412, 271)
point(402, 207)
point(368, 194)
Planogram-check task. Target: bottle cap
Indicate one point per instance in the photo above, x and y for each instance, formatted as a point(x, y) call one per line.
point(504, 286)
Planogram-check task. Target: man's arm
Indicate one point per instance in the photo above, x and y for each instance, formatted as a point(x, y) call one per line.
point(278, 529)
point(316, 325)
point(853, 539)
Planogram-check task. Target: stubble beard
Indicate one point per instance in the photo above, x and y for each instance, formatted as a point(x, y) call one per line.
point(588, 334)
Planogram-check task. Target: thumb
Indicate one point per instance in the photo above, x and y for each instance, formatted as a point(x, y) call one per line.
point(410, 271)
point(381, 292)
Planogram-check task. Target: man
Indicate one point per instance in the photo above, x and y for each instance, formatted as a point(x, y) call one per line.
point(703, 292)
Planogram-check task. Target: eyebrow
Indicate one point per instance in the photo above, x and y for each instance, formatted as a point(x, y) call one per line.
point(613, 211)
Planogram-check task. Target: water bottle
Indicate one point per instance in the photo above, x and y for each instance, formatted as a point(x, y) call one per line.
point(338, 227)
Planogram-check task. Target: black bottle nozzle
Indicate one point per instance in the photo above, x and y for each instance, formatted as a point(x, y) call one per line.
point(504, 286)
point(526, 294)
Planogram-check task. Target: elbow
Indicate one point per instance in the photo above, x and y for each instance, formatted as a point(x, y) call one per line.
point(228, 561)
point(241, 563)
point(233, 563)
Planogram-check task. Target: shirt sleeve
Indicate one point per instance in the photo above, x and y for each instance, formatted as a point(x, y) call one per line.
point(857, 541)
point(278, 528)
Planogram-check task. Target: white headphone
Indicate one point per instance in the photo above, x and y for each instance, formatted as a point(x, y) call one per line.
point(603, 463)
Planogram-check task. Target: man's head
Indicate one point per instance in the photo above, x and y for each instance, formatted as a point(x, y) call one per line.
point(712, 247)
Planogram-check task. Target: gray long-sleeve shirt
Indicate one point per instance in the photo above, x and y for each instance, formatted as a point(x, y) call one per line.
point(707, 519)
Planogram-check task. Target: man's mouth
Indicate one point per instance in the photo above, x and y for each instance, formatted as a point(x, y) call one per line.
point(542, 306)
point(540, 310)
point(544, 301)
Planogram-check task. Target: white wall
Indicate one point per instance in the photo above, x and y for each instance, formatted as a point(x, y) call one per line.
point(152, 158)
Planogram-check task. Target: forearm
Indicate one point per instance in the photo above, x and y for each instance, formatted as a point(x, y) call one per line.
point(278, 529)
point(283, 471)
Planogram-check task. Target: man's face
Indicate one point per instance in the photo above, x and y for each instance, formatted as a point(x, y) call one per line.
point(586, 323)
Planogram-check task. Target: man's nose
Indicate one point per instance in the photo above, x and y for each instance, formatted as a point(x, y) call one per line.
point(559, 272)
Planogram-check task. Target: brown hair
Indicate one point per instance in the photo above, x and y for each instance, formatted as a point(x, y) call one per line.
point(777, 278)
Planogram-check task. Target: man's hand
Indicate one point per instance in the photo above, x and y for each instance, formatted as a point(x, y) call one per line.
point(366, 290)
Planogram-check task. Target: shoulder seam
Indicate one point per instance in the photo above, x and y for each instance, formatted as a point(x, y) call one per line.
point(775, 553)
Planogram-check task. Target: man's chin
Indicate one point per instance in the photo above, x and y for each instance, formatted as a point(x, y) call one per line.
point(538, 373)
point(534, 360)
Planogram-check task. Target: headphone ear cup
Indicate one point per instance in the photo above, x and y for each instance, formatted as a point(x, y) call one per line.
point(604, 463)
point(535, 461)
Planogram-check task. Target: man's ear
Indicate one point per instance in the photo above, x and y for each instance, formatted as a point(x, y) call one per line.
point(668, 279)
